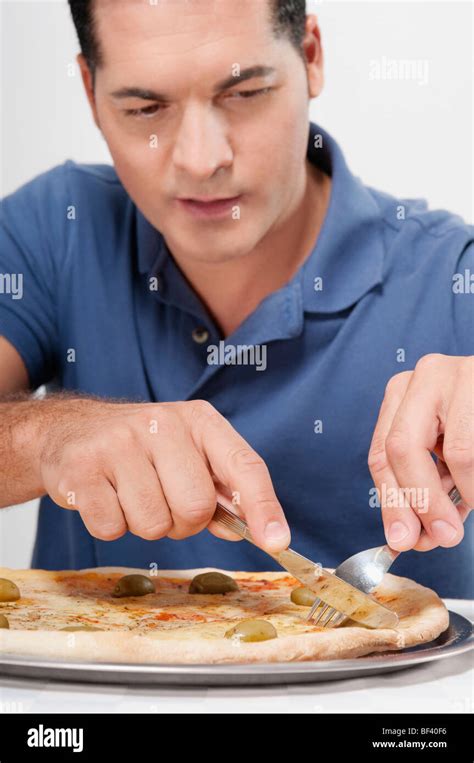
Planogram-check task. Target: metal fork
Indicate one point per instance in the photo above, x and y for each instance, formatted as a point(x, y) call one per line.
point(329, 616)
point(366, 569)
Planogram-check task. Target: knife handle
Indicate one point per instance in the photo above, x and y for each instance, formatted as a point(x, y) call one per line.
point(225, 517)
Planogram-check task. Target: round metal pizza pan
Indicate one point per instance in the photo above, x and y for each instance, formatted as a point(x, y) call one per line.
point(455, 640)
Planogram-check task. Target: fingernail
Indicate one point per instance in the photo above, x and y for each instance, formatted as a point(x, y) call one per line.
point(397, 532)
point(275, 531)
point(443, 532)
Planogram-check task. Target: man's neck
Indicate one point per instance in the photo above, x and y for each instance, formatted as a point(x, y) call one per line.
point(232, 290)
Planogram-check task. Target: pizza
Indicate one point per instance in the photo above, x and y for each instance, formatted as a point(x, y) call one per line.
point(197, 616)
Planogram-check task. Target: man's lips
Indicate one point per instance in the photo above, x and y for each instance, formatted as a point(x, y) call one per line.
point(208, 207)
point(207, 199)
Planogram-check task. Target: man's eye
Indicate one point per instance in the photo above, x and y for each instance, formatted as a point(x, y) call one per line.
point(245, 94)
point(151, 111)
point(147, 111)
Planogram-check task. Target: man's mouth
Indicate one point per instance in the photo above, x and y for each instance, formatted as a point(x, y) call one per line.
point(209, 207)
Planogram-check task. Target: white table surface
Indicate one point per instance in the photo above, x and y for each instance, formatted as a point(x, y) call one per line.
point(442, 686)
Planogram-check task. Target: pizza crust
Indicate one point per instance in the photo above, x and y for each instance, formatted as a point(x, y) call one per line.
point(423, 616)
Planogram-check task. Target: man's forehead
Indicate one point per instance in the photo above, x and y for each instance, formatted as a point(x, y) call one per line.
point(184, 16)
point(214, 32)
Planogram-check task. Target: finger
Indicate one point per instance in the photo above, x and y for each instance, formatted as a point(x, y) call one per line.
point(425, 543)
point(141, 497)
point(184, 475)
point(412, 437)
point(402, 527)
point(244, 472)
point(101, 511)
point(458, 444)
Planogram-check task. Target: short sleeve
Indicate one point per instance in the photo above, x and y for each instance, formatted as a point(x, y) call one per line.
point(463, 299)
point(31, 236)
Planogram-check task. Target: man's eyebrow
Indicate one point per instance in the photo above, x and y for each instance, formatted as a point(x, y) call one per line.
point(150, 95)
point(244, 74)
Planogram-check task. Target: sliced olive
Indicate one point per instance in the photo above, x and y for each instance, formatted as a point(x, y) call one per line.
point(133, 585)
point(80, 628)
point(303, 596)
point(212, 582)
point(252, 630)
point(8, 590)
point(4, 622)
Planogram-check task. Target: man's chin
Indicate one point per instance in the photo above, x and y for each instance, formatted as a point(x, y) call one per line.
point(216, 248)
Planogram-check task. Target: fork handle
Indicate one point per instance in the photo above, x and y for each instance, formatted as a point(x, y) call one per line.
point(455, 495)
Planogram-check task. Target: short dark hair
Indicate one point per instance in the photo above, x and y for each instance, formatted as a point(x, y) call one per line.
point(288, 19)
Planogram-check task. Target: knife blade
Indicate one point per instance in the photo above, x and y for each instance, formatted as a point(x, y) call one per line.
point(334, 591)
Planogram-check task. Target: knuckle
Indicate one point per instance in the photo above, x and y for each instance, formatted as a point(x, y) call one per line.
point(100, 525)
point(397, 446)
point(66, 484)
point(109, 532)
point(119, 437)
point(162, 412)
point(377, 460)
point(164, 417)
point(200, 509)
point(201, 411)
point(203, 406)
point(459, 452)
point(149, 503)
point(396, 382)
point(245, 459)
point(266, 503)
point(153, 531)
point(81, 481)
point(427, 362)
point(93, 511)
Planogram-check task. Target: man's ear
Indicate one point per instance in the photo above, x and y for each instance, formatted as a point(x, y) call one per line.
point(88, 86)
point(314, 56)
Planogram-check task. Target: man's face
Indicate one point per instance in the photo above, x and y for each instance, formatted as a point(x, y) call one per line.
point(247, 140)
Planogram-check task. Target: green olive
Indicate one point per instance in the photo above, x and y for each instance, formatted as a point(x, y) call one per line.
point(8, 590)
point(252, 630)
point(212, 582)
point(4, 622)
point(133, 585)
point(80, 628)
point(303, 596)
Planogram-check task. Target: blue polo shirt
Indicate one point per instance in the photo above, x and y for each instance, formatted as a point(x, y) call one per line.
point(376, 294)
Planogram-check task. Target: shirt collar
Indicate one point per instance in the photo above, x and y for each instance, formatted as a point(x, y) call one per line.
point(349, 253)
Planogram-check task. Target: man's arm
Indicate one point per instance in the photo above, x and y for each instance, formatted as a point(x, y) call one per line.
point(150, 468)
point(17, 483)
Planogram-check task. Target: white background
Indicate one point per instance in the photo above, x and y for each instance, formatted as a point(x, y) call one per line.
point(403, 137)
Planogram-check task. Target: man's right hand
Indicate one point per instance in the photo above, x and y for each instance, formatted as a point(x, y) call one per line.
point(155, 470)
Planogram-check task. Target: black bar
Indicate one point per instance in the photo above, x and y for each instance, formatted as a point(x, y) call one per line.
point(220, 736)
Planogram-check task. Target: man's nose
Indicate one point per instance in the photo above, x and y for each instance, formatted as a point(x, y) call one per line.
point(201, 146)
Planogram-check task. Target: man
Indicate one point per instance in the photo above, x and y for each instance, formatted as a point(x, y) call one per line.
point(220, 314)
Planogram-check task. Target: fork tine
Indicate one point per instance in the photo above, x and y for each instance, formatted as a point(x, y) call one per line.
point(313, 609)
point(322, 612)
point(332, 614)
point(327, 616)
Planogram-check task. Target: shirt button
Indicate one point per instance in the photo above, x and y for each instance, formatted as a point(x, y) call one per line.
point(200, 335)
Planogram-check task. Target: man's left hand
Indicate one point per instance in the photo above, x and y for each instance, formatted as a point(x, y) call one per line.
point(428, 410)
